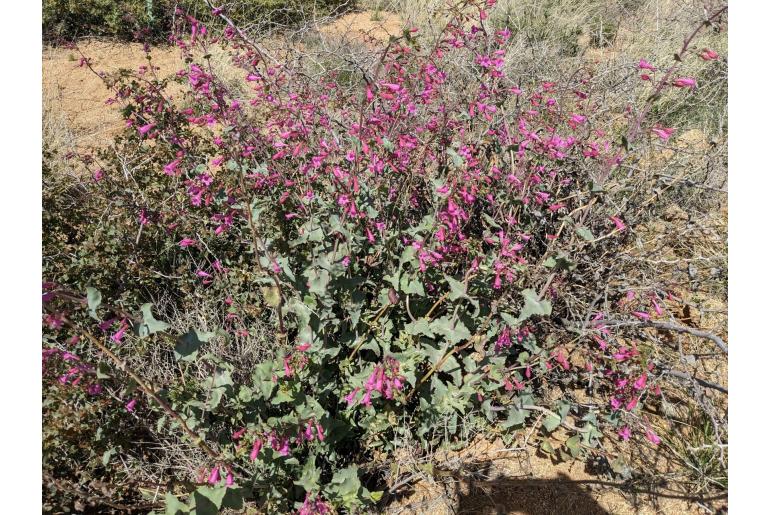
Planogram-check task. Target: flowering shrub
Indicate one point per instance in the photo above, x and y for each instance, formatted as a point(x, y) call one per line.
point(410, 242)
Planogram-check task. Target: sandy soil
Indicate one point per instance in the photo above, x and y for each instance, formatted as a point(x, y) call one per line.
point(77, 94)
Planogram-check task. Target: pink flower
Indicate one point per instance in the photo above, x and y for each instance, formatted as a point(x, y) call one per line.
point(144, 129)
point(708, 55)
point(632, 403)
point(663, 132)
point(303, 347)
point(641, 315)
point(576, 119)
point(229, 480)
point(656, 306)
point(641, 382)
point(625, 433)
point(685, 82)
point(238, 434)
point(646, 77)
point(652, 437)
point(170, 168)
point(186, 242)
point(214, 476)
point(118, 336)
point(201, 273)
point(255, 449)
point(619, 225)
point(351, 397)
point(287, 371)
point(94, 389)
point(644, 65)
point(131, 405)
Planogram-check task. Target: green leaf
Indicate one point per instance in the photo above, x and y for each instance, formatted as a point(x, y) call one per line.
point(457, 159)
point(584, 233)
point(149, 325)
point(560, 262)
point(573, 444)
point(533, 306)
point(551, 422)
point(452, 332)
point(107, 456)
point(516, 417)
point(103, 371)
point(546, 447)
point(233, 498)
point(94, 298)
point(345, 484)
point(457, 289)
point(318, 280)
point(174, 506)
point(419, 327)
point(208, 500)
point(412, 286)
point(271, 295)
point(190, 343)
point(452, 367)
point(310, 476)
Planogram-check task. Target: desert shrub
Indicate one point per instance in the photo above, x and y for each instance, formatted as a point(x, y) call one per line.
point(152, 20)
point(430, 244)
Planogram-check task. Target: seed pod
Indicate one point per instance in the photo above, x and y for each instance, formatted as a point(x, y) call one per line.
point(393, 296)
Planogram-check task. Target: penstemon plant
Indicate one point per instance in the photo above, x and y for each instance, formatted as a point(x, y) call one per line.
point(408, 242)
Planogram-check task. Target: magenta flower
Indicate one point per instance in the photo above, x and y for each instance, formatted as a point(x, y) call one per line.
point(144, 129)
point(708, 55)
point(170, 168)
point(94, 389)
point(645, 65)
point(663, 132)
point(186, 242)
point(652, 437)
point(641, 382)
point(214, 476)
point(118, 336)
point(656, 306)
point(255, 449)
point(685, 82)
point(131, 405)
point(625, 433)
point(351, 397)
point(575, 120)
point(229, 479)
point(641, 315)
point(619, 225)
